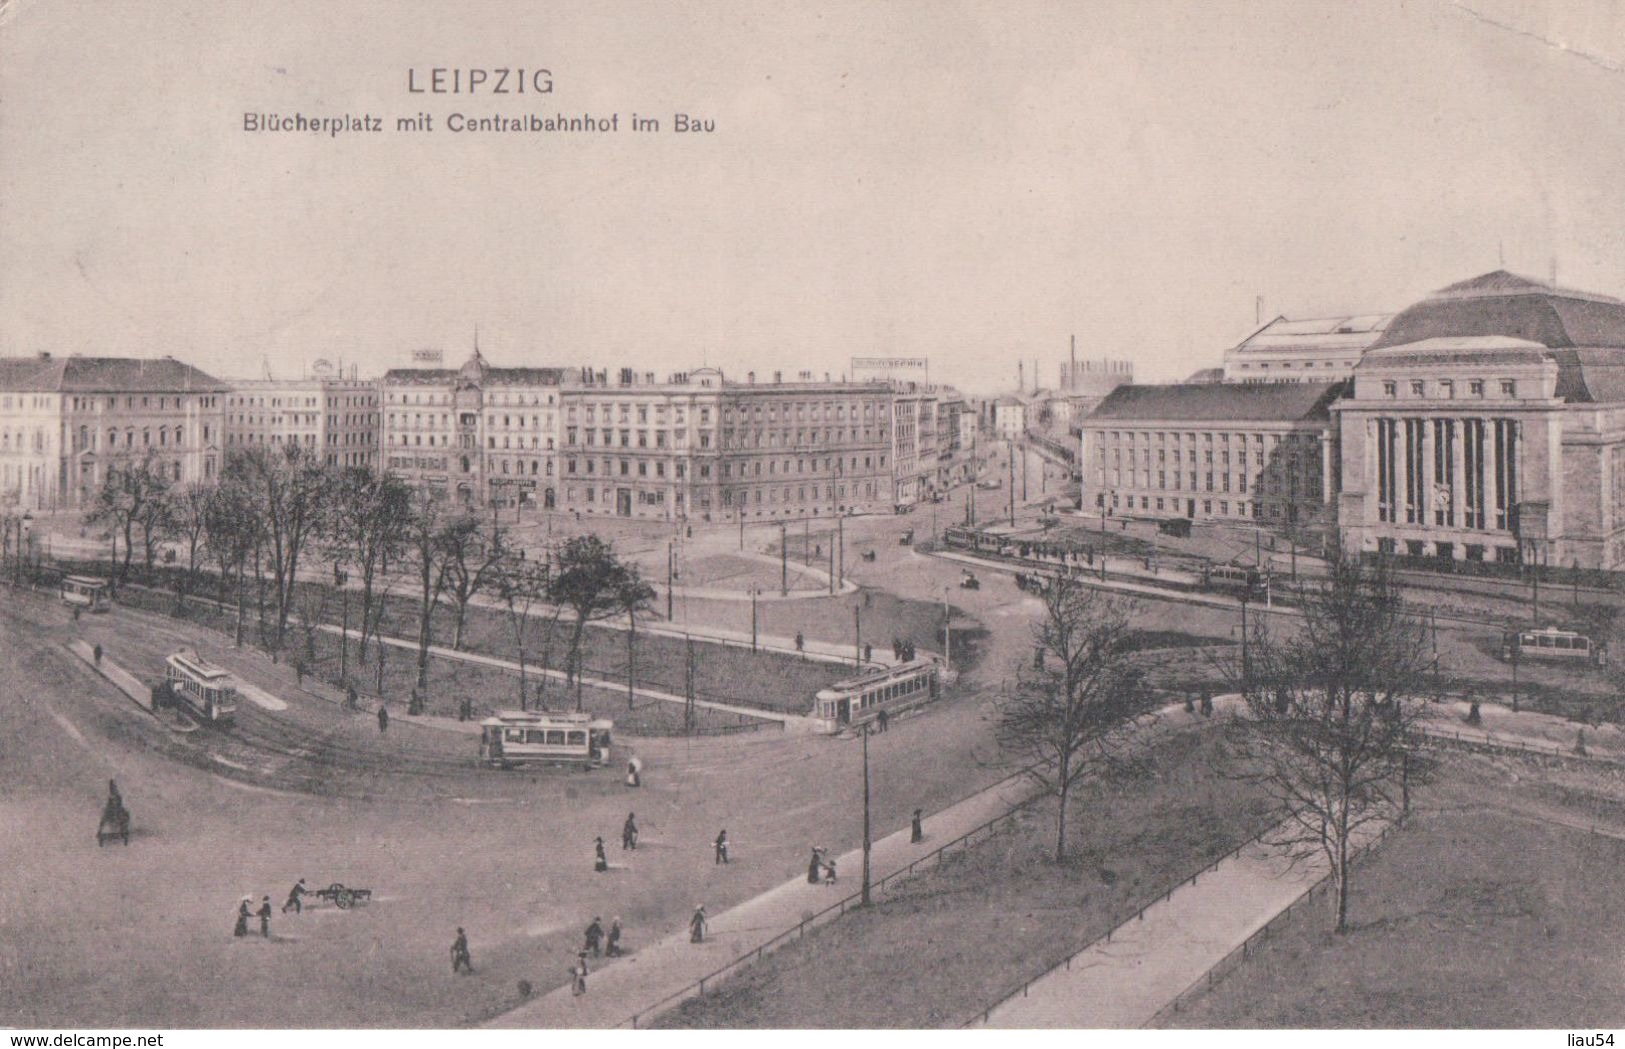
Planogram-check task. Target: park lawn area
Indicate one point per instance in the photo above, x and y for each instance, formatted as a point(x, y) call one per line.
point(722, 673)
point(948, 942)
point(490, 688)
point(1481, 914)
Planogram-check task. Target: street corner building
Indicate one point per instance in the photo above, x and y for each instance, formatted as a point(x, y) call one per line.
point(1484, 423)
point(66, 422)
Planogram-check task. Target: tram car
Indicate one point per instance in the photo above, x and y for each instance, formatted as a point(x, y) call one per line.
point(893, 689)
point(1554, 645)
point(202, 689)
point(1241, 579)
point(513, 738)
point(85, 592)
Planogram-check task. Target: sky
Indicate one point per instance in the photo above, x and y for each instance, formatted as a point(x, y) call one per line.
point(972, 182)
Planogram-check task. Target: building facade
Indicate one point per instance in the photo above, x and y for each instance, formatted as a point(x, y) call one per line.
point(1488, 424)
point(1258, 454)
point(328, 415)
point(1324, 349)
point(65, 422)
point(478, 434)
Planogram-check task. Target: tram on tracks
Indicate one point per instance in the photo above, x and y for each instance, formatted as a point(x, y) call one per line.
point(514, 738)
point(1247, 580)
point(85, 592)
point(1552, 644)
point(893, 689)
point(204, 690)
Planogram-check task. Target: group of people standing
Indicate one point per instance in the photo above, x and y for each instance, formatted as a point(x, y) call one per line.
point(246, 910)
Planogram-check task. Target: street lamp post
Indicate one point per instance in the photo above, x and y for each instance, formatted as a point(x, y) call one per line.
point(784, 562)
point(857, 636)
point(753, 592)
point(866, 842)
point(947, 633)
point(339, 579)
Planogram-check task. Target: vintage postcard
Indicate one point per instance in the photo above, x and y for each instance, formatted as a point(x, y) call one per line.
point(876, 516)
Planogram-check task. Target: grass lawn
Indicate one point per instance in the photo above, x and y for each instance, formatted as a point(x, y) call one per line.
point(1483, 914)
point(944, 944)
point(491, 688)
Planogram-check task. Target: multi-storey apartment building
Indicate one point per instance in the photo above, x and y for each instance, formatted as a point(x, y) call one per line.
point(327, 414)
point(636, 447)
point(480, 434)
point(65, 422)
point(806, 448)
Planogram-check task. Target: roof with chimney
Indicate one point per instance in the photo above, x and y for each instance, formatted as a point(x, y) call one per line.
point(46, 373)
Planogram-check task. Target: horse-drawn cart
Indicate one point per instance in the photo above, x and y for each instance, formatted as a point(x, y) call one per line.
point(343, 898)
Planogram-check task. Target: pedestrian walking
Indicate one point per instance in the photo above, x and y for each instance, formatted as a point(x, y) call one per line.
point(629, 833)
point(351, 700)
point(578, 975)
point(383, 718)
point(868, 652)
point(461, 960)
point(721, 848)
point(815, 866)
point(97, 652)
point(613, 949)
point(829, 873)
point(265, 917)
point(594, 937)
point(243, 914)
point(883, 720)
point(801, 642)
point(697, 924)
point(600, 860)
point(634, 771)
point(916, 832)
point(295, 896)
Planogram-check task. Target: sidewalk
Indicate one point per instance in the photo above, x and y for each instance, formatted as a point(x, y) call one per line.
point(1124, 979)
point(635, 989)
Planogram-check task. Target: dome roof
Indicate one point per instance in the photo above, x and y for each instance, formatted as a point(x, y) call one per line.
point(1505, 304)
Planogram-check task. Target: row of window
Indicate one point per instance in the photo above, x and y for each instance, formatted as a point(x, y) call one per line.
point(1445, 389)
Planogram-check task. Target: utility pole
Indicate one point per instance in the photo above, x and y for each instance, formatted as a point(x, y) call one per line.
point(1011, 449)
point(832, 566)
point(784, 562)
point(741, 528)
point(688, 685)
point(671, 572)
point(857, 636)
point(1025, 456)
point(631, 656)
point(947, 633)
point(339, 579)
point(1246, 665)
point(1534, 569)
point(840, 541)
point(753, 591)
point(866, 842)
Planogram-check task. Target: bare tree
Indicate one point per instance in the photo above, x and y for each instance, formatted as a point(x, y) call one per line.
point(521, 583)
point(292, 487)
point(595, 584)
point(1082, 684)
point(472, 550)
point(126, 499)
point(188, 521)
point(232, 524)
point(425, 527)
point(1331, 711)
point(367, 528)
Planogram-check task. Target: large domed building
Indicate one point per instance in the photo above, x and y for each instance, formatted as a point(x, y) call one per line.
point(1487, 423)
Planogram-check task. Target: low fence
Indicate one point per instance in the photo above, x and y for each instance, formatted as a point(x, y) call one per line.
point(835, 910)
point(1230, 962)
